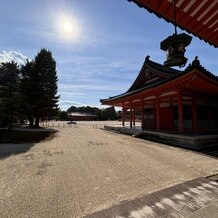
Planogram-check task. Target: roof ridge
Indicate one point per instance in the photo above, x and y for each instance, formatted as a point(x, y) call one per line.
point(197, 65)
point(155, 66)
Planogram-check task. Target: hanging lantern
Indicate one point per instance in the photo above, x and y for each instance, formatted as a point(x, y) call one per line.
point(174, 46)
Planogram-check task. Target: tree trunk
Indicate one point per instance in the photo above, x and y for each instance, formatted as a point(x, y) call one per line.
point(9, 127)
point(37, 122)
point(31, 121)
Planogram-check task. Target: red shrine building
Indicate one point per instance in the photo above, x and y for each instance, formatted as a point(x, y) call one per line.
point(170, 100)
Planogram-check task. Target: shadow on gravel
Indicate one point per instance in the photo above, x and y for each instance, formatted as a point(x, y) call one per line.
point(16, 142)
point(210, 151)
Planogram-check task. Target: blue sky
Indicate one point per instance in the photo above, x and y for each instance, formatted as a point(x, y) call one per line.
point(105, 52)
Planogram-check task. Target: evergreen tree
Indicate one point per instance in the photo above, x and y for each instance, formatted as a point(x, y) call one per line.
point(45, 99)
point(63, 115)
point(39, 87)
point(9, 92)
point(112, 115)
point(27, 90)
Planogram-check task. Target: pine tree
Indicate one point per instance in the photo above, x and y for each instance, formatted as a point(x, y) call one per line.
point(9, 92)
point(45, 99)
point(27, 90)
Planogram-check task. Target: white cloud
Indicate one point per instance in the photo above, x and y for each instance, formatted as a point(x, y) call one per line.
point(18, 57)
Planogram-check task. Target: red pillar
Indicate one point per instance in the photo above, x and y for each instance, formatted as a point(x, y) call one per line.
point(133, 117)
point(194, 114)
point(142, 113)
point(209, 116)
point(158, 113)
point(180, 113)
point(123, 115)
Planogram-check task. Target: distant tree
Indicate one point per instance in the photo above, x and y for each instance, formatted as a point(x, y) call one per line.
point(63, 115)
point(112, 115)
point(9, 92)
point(107, 114)
point(84, 109)
point(101, 114)
point(72, 109)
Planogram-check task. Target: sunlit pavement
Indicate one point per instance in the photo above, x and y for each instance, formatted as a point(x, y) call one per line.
point(85, 170)
point(194, 198)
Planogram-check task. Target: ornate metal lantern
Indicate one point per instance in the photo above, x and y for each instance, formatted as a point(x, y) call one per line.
point(174, 46)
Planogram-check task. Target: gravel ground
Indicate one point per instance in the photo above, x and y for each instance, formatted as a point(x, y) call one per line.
point(83, 170)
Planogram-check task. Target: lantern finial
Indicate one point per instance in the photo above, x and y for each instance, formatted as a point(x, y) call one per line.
point(174, 46)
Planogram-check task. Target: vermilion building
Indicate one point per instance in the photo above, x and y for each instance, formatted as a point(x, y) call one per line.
point(76, 116)
point(170, 100)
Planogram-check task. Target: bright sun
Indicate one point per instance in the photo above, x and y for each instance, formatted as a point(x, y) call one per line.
point(69, 29)
point(67, 26)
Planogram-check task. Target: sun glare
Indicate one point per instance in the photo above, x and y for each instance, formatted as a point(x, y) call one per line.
point(67, 26)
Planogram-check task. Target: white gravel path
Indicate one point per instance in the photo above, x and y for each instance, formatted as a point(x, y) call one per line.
point(83, 170)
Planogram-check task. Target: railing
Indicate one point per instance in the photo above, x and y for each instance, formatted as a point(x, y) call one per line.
point(53, 124)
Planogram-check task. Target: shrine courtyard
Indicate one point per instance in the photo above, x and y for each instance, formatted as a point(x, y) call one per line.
point(84, 170)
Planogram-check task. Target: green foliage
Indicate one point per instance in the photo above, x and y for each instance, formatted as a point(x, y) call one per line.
point(45, 97)
point(87, 109)
point(107, 114)
point(9, 92)
point(29, 92)
point(101, 114)
point(39, 87)
point(27, 89)
point(63, 115)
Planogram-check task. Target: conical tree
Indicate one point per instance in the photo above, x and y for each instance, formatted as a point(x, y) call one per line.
point(9, 92)
point(44, 99)
point(27, 90)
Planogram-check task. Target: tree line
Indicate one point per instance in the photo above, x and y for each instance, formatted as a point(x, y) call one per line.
point(98, 114)
point(29, 91)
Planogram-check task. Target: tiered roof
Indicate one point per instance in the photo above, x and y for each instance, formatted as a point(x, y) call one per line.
point(153, 75)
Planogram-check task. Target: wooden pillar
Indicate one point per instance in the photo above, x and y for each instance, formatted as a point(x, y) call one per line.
point(157, 113)
point(123, 115)
point(171, 117)
point(180, 113)
point(130, 115)
point(133, 117)
point(142, 113)
point(209, 116)
point(194, 114)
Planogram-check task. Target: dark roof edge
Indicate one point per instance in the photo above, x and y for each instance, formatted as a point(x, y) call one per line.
point(194, 66)
point(155, 66)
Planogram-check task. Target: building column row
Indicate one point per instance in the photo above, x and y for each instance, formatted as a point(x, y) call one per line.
point(132, 116)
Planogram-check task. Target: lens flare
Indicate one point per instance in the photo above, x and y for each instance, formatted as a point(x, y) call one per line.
point(64, 22)
point(67, 26)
